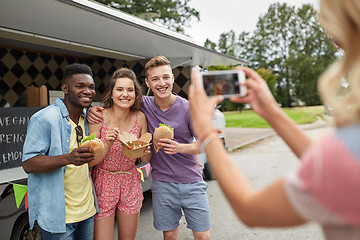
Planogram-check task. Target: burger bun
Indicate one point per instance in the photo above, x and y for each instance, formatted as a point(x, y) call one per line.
point(159, 133)
point(96, 146)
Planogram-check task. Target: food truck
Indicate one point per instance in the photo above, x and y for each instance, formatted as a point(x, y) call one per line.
point(38, 39)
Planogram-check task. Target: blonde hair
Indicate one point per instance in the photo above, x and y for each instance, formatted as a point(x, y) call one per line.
point(339, 85)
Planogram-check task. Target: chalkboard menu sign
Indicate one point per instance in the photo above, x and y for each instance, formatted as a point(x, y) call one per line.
point(13, 124)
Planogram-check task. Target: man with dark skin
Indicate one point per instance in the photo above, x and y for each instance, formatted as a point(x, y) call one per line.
point(61, 196)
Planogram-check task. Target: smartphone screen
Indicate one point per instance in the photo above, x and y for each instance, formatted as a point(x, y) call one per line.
point(226, 83)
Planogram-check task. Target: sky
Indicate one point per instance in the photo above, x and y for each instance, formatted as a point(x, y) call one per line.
point(239, 15)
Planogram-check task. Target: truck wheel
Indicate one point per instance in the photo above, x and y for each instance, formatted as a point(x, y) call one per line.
point(22, 231)
point(207, 172)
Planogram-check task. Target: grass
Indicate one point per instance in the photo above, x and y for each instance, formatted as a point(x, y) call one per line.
point(249, 119)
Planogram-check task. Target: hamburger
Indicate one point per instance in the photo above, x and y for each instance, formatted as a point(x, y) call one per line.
point(163, 131)
point(94, 143)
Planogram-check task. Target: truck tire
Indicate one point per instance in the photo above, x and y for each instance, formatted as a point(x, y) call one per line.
point(207, 172)
point(22, 231)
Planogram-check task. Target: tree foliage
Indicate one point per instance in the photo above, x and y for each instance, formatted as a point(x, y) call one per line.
point(270, 77)
point(289, 42)
point(175, 14)
point(210, 44)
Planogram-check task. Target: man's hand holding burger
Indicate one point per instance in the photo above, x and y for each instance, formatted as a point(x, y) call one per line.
point(80, 156)
point(163, 139)
point(170, 146)
point(161, 133)
point(92, 143)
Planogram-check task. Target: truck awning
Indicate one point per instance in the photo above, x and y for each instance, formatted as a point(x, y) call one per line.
point(84, 28)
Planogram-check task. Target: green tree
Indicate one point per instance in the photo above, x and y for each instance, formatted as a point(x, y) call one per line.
point(210, 44)
point(227, 43)
point(273, 40)
point(175, 14)
point(270, 77)
point(309, 58)
point(292, 44)
point(244, 49)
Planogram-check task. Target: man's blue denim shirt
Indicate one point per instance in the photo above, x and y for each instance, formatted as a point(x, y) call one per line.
point(48, 133)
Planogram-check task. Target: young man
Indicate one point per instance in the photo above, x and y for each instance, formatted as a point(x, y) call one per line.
point(61, 197)
point(177, 177)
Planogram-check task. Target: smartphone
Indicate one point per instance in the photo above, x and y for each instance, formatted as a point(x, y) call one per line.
point(224, 82)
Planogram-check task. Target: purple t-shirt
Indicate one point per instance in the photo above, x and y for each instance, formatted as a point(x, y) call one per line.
point(180, 167)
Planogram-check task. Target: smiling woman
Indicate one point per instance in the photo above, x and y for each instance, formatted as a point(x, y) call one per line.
point(128, 76)
point(113, 170)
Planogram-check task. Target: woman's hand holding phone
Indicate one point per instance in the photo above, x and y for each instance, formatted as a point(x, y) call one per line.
point(258, 94)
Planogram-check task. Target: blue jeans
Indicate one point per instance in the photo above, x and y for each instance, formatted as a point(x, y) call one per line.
point(83, 230)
